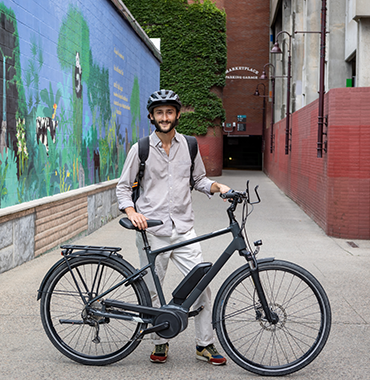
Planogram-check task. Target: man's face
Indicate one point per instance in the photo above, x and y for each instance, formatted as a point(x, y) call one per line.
point(165, 118)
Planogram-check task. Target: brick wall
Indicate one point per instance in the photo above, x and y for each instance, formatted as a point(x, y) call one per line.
point(247, 24)
point(247, 46)
point(32, 228)
point(210, 147)
point(334, 190)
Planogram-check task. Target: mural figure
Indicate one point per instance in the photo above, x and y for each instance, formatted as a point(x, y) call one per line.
point(78, 74)
point(45, 125)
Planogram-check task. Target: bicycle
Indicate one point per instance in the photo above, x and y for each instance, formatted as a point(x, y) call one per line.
point(272, 317)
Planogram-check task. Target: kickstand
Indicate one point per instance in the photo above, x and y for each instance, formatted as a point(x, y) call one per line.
point(193, 313)
point(96, 339)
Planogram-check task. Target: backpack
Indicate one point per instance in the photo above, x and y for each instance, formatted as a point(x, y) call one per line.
point(143, 155)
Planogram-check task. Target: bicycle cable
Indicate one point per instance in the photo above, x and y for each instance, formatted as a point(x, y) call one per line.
point(245, 215)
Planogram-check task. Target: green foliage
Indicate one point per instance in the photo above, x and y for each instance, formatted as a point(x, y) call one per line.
point(10, 180)
point(135, 110)
point(48, 98)
point(3, 170)
point(74, 36)
point(193, 48)
point(98, 90)
point(17, 72)
point(32, 75)
point(73, 46)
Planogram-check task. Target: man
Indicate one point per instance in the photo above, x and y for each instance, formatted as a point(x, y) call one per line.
point(165, 194)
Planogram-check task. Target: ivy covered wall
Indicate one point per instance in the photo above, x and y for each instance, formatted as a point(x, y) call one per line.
point(193, 48)
point(74, 81)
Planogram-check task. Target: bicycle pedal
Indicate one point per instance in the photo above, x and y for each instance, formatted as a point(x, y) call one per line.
point(156, 328)
point(193, 313)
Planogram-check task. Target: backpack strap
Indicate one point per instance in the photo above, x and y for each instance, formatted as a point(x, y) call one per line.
point(193, 150)
point(143, 156)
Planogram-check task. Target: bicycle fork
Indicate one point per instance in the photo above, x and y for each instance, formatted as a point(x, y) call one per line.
point(270, 315)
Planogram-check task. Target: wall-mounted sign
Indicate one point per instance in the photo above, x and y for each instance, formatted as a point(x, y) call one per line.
point(242, 68)
point(242, 118)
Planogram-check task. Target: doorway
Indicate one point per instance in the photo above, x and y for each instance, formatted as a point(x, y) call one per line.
point(242, 152)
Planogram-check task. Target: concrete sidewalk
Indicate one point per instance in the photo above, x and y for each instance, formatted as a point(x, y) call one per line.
point(287, 233)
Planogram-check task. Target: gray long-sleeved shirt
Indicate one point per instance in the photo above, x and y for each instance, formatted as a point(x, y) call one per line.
point(165, 191)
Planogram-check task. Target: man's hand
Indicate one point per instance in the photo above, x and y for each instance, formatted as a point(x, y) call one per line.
point(138, 220)
point(219, 188)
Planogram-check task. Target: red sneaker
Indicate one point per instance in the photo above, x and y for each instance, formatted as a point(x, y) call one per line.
point(210, 354)
point(160, 353)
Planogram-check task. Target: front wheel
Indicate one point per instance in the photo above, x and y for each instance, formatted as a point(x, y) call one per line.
point(304, 319)
point(90, 339)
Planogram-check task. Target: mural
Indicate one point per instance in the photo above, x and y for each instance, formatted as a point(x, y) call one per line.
point(73, 90)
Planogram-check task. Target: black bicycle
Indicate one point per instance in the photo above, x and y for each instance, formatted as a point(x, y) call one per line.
point(272, 317)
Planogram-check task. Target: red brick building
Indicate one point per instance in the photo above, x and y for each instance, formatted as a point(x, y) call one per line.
point(247, 52)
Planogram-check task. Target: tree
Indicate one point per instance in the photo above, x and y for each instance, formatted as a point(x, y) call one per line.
point(74, 55)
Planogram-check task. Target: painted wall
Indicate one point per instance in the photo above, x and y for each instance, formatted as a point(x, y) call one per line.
point(333, 190)
point(74, 80)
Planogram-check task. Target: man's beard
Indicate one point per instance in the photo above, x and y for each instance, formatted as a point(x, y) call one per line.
point(159, 128)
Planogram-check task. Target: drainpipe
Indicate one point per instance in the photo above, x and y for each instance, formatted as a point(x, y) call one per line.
point(322, 80)
point(4, 89)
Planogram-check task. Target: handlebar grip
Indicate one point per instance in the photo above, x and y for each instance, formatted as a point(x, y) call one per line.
point(228, 195)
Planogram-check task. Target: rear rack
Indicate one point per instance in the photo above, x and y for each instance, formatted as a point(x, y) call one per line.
point(70, 248)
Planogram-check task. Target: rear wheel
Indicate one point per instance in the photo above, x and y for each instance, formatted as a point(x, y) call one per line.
point(264, 348)
point(82, 336)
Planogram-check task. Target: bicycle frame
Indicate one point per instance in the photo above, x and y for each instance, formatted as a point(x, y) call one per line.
point(237, 244)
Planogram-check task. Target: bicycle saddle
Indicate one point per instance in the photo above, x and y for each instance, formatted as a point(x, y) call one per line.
point(125, 222)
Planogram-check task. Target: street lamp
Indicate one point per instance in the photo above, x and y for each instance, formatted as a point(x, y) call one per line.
point(256, 93)
point(276, 50)
point(264, 76)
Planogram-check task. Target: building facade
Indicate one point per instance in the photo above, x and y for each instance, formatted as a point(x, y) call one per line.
point(320, 149)
point(347, 50)
point(247, 115)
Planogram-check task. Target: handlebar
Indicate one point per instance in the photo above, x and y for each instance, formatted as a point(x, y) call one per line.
point(231, 194)
point(238, 196)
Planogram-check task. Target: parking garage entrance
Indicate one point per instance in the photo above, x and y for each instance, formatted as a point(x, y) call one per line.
point(242, 152)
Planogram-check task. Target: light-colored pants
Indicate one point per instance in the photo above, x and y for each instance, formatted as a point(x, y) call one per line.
point(185, 258)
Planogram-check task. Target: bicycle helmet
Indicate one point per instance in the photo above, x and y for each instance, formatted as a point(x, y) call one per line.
point(163, 97)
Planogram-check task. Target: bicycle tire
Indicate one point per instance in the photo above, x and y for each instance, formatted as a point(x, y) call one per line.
point(259, 346)
point(62, 310)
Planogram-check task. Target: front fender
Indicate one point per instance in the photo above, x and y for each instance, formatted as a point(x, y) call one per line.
point(230, 278)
